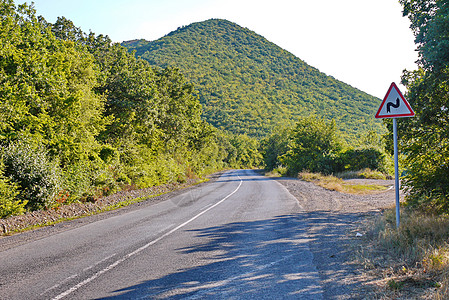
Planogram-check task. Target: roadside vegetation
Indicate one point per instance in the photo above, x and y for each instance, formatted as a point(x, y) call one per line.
point(82, 118)
point(316, 145)
point(413, 261)
point(409, 263)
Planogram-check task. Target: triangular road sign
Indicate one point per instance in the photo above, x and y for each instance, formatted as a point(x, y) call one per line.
point(394, 105)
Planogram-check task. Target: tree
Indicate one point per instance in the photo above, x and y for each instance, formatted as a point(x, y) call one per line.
point(48, 104)
point(247, 152)
point(46, 86)
point(274, 146)
point(314, 146)
point(425, 138)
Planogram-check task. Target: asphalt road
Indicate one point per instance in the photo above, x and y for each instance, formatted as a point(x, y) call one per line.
point(240, 237)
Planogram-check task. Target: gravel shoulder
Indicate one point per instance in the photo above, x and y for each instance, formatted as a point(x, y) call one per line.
point(333, 221)
point(85, 213)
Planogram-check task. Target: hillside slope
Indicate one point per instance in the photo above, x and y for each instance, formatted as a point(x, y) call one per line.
point(247, 84)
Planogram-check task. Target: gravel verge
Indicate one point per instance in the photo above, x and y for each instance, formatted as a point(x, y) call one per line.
point(333, 220)
point(80, 214)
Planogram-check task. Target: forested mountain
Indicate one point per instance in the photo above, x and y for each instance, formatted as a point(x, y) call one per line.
point(247, 84)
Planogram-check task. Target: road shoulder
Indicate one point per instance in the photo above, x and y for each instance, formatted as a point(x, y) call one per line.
point(333, 222)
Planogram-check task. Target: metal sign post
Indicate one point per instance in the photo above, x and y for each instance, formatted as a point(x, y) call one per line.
point(396, 170)
point(395, 106)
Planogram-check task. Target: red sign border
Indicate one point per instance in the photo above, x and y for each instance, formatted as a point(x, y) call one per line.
point(410, 114)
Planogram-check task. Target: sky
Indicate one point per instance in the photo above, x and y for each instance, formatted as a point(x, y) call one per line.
point(364, 43)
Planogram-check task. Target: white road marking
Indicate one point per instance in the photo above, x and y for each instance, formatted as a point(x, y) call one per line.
point(59, 284)
point(96, 264)
point(116, 263)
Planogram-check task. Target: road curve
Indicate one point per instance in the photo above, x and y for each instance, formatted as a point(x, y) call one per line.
point(242, 236)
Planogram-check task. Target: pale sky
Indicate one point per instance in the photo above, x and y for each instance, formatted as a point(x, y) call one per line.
point(364, 43)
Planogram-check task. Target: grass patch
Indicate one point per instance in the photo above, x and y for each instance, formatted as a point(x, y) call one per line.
point(409, 263)
point(366, 188)
point(278, 172)
point(337, 184)
point(365, 174)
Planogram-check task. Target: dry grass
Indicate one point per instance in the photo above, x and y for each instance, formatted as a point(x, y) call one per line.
point(277, 172)
point(409, 263)
point(337, 184)
point(365, 173)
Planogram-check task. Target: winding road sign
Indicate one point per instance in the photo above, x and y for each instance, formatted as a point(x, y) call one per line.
point(394, 105)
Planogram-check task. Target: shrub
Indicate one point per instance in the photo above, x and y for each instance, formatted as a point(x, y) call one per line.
point(314, 145)
point(367, 158)
point(78, 180)
point(9, 205)
point(145, 169)
point(38, 178)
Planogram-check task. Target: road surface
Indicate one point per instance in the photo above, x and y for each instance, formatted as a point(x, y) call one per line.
point(241, 237)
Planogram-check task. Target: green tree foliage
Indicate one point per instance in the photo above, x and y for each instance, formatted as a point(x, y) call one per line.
point(274, 146)
point(425, 138)
point(47, 102)
point(82, 117)
point(9, 204)
point(362, 158)
point(248, 85)
point(247, 152)
point(46, 87)
point(314, 146)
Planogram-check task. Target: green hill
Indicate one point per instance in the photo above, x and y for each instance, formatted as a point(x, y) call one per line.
point(247, 84)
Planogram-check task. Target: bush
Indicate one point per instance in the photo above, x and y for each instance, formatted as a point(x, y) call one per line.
point(314, 146)
point(78, 180)
point(145, 169)
point(368, 158)
point(9, 205)
point(38, 178)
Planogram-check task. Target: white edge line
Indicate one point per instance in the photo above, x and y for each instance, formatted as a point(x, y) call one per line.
point(116, 263)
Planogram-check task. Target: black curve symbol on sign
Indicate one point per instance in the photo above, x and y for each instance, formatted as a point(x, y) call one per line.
point(395, 105)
